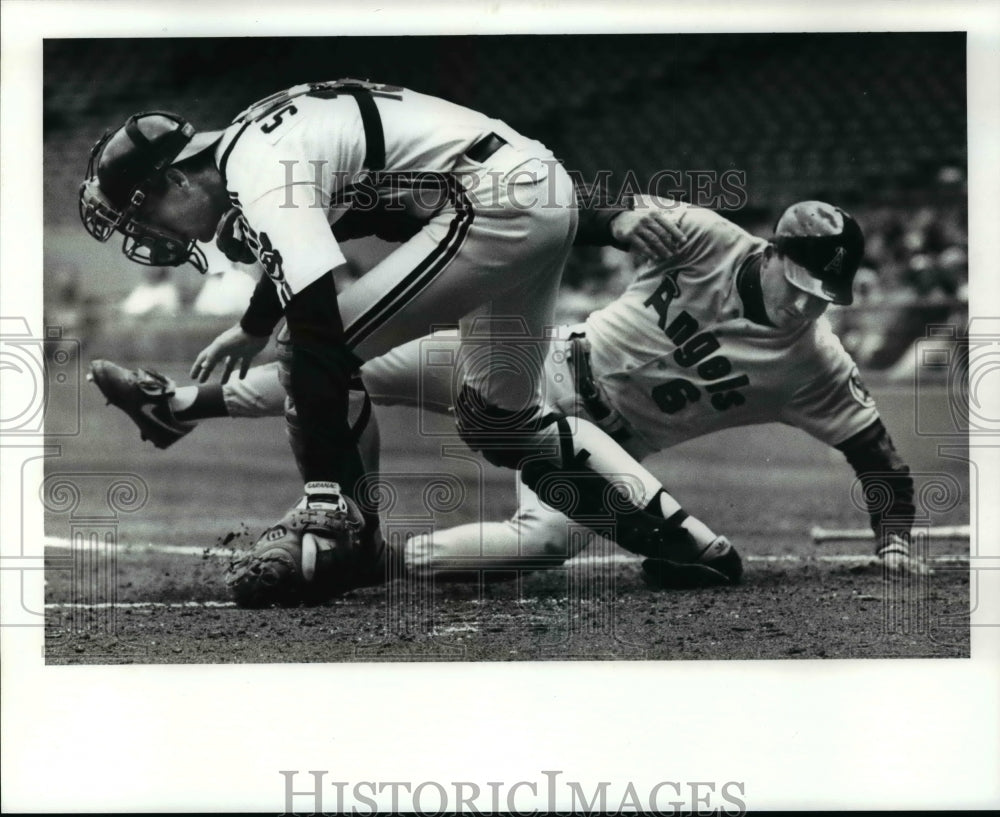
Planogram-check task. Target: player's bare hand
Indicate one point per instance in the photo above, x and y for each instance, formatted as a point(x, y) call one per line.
point(650, 233)
point(232, 347)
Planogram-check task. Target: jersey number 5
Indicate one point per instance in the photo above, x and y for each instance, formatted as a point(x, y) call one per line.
point(276, 118)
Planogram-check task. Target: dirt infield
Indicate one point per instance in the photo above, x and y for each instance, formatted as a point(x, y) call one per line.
point(765, 487)
point(593, 609)
point(585, 612)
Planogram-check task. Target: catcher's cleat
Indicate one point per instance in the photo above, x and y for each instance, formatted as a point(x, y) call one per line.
point(144, 395)
point(719, 565)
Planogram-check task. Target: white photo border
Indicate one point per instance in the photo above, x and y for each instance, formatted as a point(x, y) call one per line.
point(799, 734)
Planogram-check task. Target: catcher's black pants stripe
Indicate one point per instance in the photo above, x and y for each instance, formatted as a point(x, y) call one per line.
point(421, 276)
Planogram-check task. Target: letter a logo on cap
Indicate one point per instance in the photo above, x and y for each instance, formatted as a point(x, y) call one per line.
point(836, 263)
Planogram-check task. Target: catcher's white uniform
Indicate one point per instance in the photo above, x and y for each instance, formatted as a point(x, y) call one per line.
point(498, 226)
point(673, 358)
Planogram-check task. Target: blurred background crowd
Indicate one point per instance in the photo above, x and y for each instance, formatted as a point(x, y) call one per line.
point(875, 123)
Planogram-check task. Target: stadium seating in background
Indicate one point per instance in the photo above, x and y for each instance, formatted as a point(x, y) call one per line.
point(874, 122)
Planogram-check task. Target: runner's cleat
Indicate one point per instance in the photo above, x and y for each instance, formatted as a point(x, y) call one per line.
point(144, 395)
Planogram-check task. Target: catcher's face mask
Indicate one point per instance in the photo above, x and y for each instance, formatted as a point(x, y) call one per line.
point(123, 166)
point(142, 243)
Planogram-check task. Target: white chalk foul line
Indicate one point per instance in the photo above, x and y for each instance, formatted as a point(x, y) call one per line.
point(136, 605)
point(616, 558)
point(60, 543)
point(577, 562)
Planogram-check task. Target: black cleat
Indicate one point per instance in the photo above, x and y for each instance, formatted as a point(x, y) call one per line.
point(719, 565)
point(144, 396)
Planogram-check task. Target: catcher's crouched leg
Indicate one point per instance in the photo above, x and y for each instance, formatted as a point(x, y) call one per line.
point(317, 551)
point(676, 558)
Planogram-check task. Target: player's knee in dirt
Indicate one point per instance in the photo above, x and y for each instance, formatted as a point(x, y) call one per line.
point(548, 536)
point(491, 551)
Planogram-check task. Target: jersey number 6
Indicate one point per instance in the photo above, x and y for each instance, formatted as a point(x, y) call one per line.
point(692, 350)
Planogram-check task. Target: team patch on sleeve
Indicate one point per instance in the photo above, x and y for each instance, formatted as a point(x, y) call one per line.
point(270, 259)
point(295, 245)
point(859, 391)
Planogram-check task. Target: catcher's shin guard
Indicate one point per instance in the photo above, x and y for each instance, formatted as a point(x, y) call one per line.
point(553, 458)
point(599, 503)
point(676, 558)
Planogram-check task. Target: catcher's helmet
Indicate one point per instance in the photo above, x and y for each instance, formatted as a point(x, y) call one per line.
point(123, 167)
point(825, 245)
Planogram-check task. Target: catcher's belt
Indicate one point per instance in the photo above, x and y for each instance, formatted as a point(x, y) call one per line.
point(605, 417)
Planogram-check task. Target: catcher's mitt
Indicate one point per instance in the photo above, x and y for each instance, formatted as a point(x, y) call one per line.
point(309, 556)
